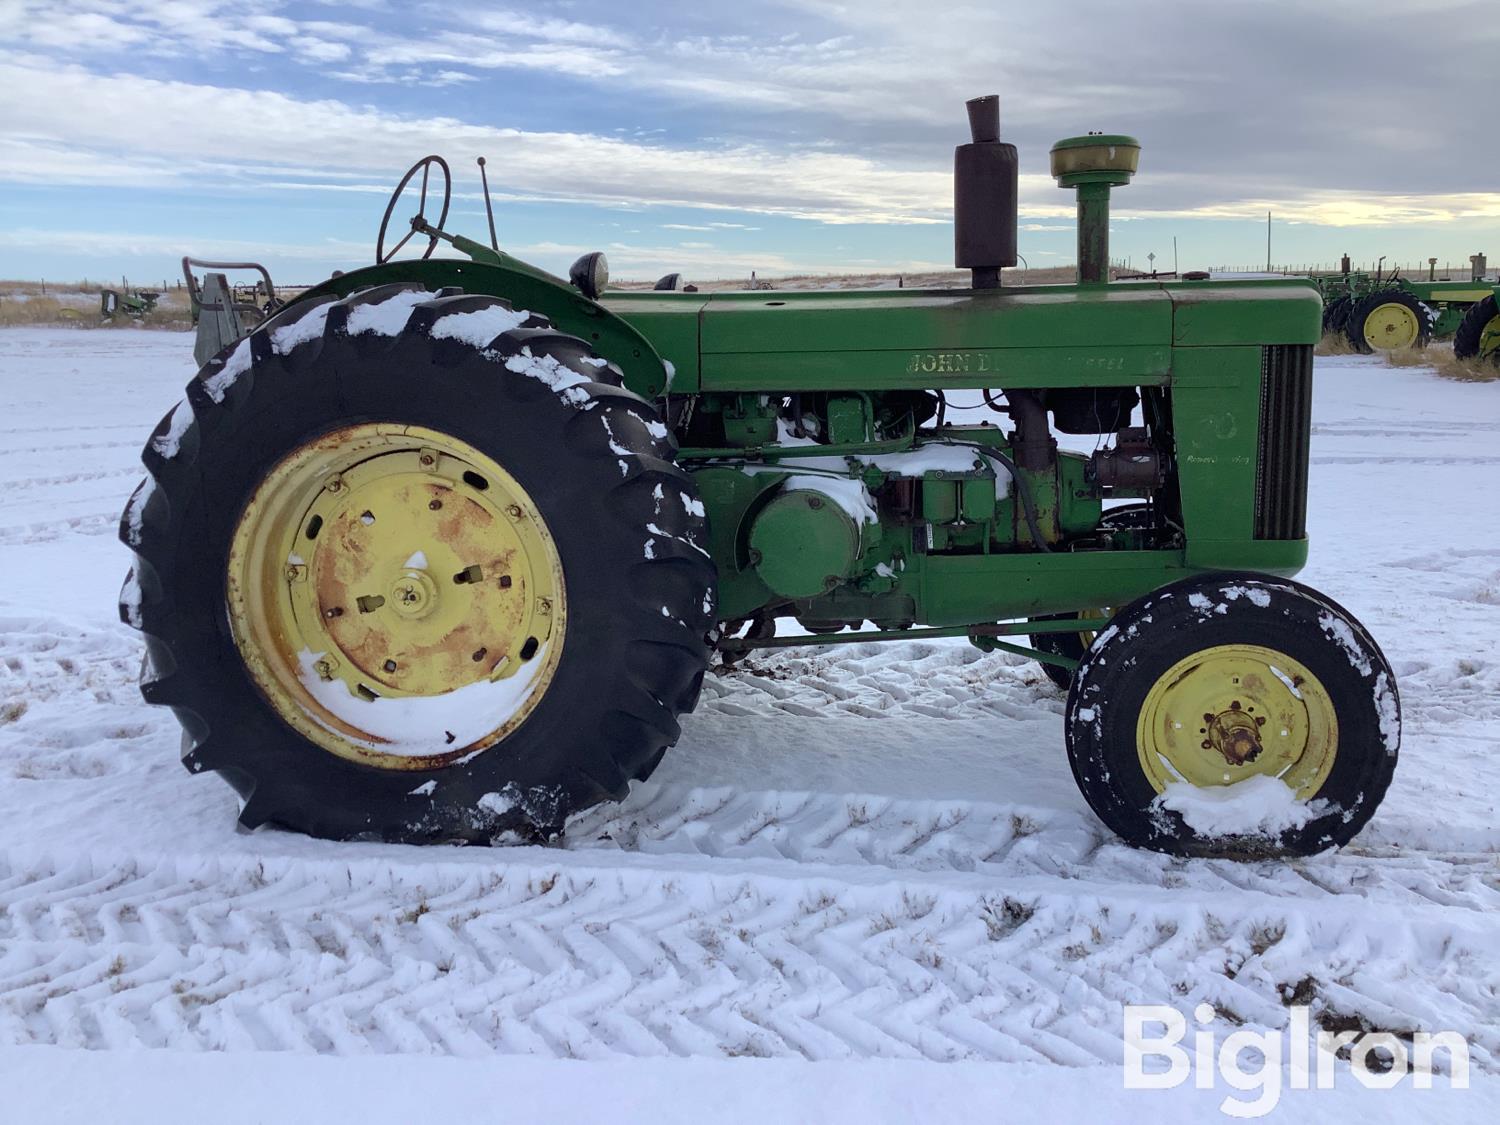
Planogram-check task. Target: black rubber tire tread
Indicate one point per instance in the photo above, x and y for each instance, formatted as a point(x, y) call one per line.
point(1150, 635)
point(1125, 517)
point(1335, 313)
point(1359, 312)
point(598, 464)
point(1471, 328)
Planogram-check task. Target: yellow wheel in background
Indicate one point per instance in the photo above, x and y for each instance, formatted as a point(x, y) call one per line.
point(1235, 711)
point(1391, 326)
point(1478, 334)
point(1489, 338)
point(1388, 320)
point(382, 567)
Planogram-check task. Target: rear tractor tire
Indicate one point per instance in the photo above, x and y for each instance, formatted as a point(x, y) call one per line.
point(1388, 321)
point(413, 566)
point(1478, 334)
point(1234, 715)
point(1335, 314)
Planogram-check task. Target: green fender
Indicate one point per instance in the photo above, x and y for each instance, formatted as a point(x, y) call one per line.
point(525, 287)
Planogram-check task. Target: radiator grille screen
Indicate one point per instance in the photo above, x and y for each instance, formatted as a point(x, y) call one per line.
point(1281, 456)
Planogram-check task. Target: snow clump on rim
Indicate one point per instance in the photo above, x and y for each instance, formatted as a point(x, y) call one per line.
point(1258, 806)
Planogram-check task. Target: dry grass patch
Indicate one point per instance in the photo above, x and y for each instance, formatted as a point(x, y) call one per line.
point(1448, 366)
point(1334, 343)
point(36, 310)
point(23, 303)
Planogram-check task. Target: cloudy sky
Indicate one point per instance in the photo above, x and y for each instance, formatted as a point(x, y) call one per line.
point(716, 138)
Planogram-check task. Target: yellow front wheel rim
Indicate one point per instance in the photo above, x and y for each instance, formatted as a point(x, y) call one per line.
point(1087, 636)
point(396, 596)
point(1392, 325)
point(1231, 712)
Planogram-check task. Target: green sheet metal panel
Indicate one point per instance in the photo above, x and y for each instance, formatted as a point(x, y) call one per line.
point(1207, 314)
point(670, 321)
point(912, 339)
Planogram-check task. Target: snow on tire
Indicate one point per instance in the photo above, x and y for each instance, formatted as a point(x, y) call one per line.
point(1234, 715)
point(620, 521)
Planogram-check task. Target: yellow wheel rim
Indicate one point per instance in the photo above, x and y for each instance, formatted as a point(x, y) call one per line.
point(1088, 635)
point(396, 596)
point(1489, 337)
point(1392, 325)
point(1236, 711)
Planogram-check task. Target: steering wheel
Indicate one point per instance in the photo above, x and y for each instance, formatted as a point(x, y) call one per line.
point(419, 220)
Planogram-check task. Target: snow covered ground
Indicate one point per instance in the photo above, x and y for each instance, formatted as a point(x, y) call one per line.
point(863, 854)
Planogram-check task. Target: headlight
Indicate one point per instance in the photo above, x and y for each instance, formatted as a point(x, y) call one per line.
point(590, 274)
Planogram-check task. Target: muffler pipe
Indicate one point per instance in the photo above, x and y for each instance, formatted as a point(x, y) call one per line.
point(986, 189)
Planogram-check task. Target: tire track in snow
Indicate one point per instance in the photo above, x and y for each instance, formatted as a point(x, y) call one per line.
point(96, 523)
point(543, 955)
point(1002, 843)
point(27, 483)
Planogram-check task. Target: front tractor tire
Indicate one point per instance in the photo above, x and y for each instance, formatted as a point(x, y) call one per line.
point(413, 566)
point(1389, 320)
point(1234, 715)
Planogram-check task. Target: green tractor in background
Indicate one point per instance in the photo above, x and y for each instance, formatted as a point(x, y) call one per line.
point(1375, 312)
point(127, 301)
point(442, 549)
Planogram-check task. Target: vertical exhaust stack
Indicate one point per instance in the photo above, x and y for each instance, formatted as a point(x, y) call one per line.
point(985, 189)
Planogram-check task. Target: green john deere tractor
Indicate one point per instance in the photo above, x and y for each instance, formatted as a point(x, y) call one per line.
point(441, 550)
point(1378, 313)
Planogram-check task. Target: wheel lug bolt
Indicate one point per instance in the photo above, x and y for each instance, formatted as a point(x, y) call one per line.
point(390, 665)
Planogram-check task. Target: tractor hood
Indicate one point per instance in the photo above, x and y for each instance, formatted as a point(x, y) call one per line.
point(1117, 335)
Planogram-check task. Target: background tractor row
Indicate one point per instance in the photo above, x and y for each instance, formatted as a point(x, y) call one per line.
point(1376, 312)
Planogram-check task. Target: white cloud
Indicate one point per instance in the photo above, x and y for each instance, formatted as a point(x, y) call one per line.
point(321, 50)
point(850, 108)
point(94, 125)
point(90, 243)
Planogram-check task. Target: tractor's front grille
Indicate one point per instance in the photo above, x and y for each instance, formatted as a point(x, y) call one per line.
point(1281, 454)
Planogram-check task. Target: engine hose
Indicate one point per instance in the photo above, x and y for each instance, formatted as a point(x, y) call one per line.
point(1023, 490)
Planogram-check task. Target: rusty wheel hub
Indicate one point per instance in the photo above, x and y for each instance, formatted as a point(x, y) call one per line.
point(1230, 712)
point(381, 570)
